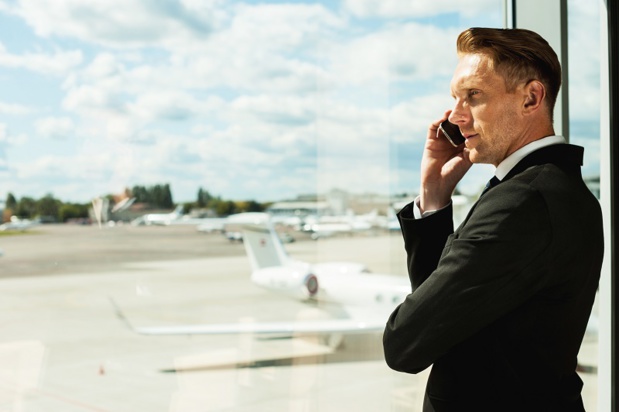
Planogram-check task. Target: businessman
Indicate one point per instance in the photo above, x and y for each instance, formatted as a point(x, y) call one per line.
point(499, 307)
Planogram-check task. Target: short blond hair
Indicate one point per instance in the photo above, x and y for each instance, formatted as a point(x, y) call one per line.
point(518, 55)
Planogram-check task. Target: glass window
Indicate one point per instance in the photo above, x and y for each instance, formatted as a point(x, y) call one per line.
point(115, 113)
point(584, 114)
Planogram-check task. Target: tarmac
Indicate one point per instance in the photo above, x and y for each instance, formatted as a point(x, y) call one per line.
point(62, 347)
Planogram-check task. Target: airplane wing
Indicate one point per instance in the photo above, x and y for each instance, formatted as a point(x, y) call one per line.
point(280, 328)
point(261, 353)
point(322, 326)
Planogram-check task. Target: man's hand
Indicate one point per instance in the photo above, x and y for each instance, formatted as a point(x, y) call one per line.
point(442, 167)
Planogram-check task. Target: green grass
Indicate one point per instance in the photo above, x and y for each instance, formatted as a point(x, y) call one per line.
point(17, 232)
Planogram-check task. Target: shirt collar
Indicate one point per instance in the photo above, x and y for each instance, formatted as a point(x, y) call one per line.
point(512, 160)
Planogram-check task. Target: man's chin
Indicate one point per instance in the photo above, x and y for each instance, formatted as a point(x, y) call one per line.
point(475, 156)
point(479, 158)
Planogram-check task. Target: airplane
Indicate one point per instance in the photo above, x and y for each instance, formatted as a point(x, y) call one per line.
point(233, 226)
point(18, 224)
point(207, 224)
point(163, 219)
point(366, 298)
point(230, 225)
point(326, 226)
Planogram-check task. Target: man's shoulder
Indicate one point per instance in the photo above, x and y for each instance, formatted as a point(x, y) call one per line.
point(560, 187)
point(540, 173)
point(558, 157)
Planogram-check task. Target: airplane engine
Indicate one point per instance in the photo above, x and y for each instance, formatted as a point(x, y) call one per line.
point(298, 283)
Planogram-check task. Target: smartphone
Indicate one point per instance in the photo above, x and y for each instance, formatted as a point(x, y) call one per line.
point(452, 133)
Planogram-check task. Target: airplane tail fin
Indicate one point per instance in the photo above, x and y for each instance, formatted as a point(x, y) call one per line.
point(178, 210)
point(263, 246)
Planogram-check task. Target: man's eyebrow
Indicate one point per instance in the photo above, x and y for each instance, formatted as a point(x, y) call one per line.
point(463, 90)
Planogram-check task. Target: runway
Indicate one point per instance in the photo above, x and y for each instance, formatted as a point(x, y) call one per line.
point(62, 347)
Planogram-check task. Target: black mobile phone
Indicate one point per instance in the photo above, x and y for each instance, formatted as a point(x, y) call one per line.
point(452, 133)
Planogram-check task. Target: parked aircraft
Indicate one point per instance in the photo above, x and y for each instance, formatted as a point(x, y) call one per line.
point(325, 226)
point(18, 224)
point(207, 224)
point(159, 218)
point(367, 298)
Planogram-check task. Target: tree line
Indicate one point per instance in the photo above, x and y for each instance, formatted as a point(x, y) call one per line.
point(222, 207)
point(159, 196)
point(46, 209)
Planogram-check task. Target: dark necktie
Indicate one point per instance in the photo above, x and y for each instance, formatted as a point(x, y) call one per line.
point(491, 183)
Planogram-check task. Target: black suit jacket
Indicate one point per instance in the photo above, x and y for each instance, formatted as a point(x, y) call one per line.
point(499, 307)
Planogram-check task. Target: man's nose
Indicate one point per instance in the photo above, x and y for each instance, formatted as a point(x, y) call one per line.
point(458, 115)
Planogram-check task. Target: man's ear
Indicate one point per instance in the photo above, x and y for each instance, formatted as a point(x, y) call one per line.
point(534, 95)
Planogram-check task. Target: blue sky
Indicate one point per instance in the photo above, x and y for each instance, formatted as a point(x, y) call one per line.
point(256, 100)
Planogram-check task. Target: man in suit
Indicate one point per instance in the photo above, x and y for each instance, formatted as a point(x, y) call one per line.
point(499, 307)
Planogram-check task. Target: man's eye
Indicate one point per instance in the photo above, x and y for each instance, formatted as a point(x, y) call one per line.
point(473, 93)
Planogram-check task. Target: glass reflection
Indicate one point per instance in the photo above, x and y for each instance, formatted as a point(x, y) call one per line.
point(116, 113)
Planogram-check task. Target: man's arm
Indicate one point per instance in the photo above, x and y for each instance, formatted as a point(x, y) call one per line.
point(423, 252)
point(492, 265)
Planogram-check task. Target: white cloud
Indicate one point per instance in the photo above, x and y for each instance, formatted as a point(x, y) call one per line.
point(246, 56)
point(279, 26)
point(287, 107)
point(14, 109)
point(95, 168)
point(125, 23)
point(55, 127)
point(410, 120)
point(3, 132)
point(4, 7)
point(401, 9)
point(171, 105)
point(9, 138)
point(249, 101)
point(400, 52)
point(264, 48)
point(283, 110)
point(57, 63)
point(104, 65)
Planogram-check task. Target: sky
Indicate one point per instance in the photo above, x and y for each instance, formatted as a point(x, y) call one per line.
point(262, 100)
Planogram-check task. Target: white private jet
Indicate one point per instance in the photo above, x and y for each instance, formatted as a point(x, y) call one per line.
point(18, 224)
point(162, 219)
point(367, 298)
point(326, 226)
